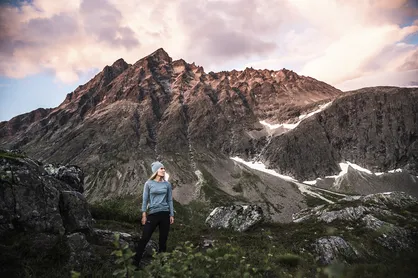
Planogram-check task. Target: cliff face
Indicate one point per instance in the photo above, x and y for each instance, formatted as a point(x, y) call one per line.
point(376, 128)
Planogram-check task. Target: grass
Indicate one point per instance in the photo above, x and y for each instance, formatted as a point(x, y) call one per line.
point(10, 155)
point(282, 249)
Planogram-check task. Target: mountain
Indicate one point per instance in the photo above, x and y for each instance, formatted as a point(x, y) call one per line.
point(375, 128)
point(127, 116)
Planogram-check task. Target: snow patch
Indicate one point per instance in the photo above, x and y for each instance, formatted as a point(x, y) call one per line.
point(261, 167)
point(214, 211)
point(395, 171)
point(199, 183)
point(310, 182)
point(321, 108)
point(301, 118)
point(344, 169)
point(303, 188)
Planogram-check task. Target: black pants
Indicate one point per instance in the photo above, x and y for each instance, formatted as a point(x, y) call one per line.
point(161, 219)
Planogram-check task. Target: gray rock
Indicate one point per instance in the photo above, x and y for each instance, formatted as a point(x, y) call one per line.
point(237, 217)
point(333, 248)
point(390, 199)
point(80, 251)
point(353, 208)
point(207, 243)
point(29, 201)
point(33, 201)
point(392, 237)
point(75, 212)
point(365, 211)
point(106, 237)
point(71, 175)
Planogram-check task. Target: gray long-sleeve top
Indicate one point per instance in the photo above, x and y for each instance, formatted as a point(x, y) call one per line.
point(159, 195)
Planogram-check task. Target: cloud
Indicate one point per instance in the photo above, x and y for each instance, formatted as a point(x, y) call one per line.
point(102, 21)
point(346, 40)
point(350, 55)
point(399, 79)
point(411, 62)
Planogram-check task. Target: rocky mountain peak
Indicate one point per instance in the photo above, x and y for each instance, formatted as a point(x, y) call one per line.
point(120, 65)
point(160, 55)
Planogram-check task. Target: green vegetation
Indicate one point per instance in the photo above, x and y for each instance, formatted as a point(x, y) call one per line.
point(212, 192)
point(11, 155)
point(268, 250)
point(120, 209)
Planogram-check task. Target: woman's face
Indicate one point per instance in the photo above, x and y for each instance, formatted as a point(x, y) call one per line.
point(161, 172)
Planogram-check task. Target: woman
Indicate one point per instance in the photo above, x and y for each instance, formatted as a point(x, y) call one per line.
point(158, 193)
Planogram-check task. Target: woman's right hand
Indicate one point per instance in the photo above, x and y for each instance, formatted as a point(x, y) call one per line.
point(144, 218)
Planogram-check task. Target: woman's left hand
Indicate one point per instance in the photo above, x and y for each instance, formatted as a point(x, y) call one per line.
point(171, 219)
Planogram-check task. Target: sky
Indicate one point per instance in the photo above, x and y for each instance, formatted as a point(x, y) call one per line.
point(48, 48)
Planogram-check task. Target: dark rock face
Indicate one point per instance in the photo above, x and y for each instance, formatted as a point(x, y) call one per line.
point(238, 217)
point(80, 250)
point(44, 210)
point(30, 201)
point(46, 217)
point(75, 212)
point(376, 128)
point(34, 201)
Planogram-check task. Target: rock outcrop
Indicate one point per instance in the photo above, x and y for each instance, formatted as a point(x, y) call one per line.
point(238, 217)
point(387, 219)
point(334, 248)
point(33, 200)
point(43, 215)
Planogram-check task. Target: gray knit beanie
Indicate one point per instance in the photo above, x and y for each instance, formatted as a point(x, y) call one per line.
point(156, 165)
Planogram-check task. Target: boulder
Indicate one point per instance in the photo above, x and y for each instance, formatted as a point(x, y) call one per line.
point(237, 217)
point(80, 251)
point(390, 236)
point(332, 248)
point(75, 212)
point(29, 201)
point(71, 175)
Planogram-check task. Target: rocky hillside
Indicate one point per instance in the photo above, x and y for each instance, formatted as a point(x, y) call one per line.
point(376, 128)
point(130, 115)
point(127, 116)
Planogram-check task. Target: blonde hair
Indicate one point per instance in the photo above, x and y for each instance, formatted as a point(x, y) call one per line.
point(154, 175)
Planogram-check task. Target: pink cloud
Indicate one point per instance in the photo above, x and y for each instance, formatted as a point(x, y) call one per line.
point(341, 41)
